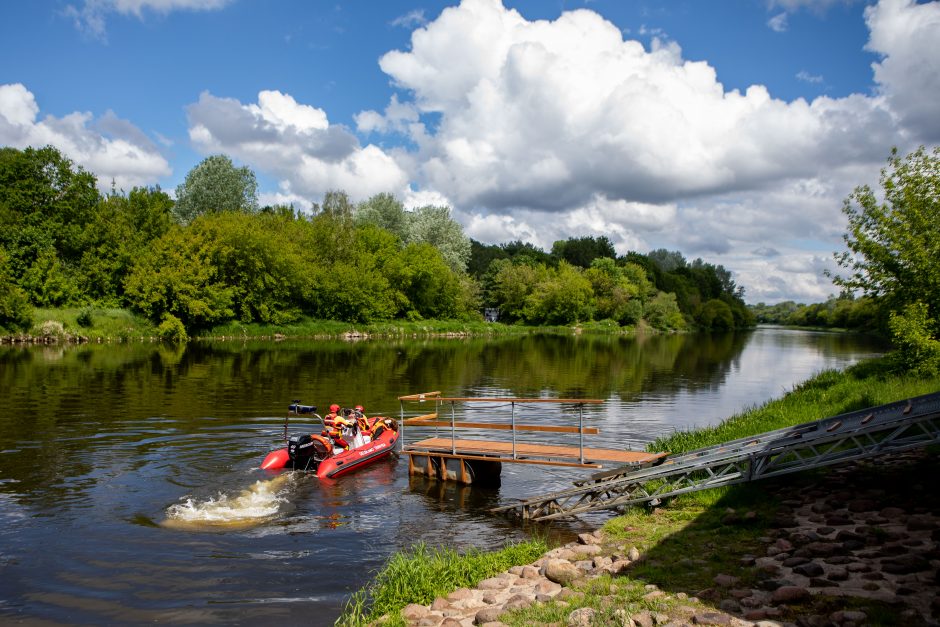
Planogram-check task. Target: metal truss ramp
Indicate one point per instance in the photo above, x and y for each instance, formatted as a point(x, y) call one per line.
point(879, 430)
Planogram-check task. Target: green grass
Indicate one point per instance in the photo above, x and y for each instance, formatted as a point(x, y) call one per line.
point(311, 328)
point(827, 394)
point(423, 574)
point(100, 323)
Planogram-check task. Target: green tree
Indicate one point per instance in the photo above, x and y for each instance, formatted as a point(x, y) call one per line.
point(562, 296)
point(215, 185)
point(582, 251)
point(16, 314)
point(384, 211)
point(894, 244)
point(433, 225)
point(716, 316)
point(46, 202)
point(615, 295)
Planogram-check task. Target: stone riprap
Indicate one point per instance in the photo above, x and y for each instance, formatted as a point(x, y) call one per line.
point(834, 537)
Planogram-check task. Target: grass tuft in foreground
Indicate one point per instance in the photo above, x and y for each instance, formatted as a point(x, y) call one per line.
point(423, 574)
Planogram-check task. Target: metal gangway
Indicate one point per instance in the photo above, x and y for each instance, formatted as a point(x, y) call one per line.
point(890, 428)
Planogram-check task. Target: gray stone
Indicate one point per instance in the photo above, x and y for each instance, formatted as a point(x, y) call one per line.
point(725, 581)
point(487, 615)
point(413, 612)
point(519, 601)
point(582, 617)
point(643, 619)
point(493, 583)
point(904, 564)
point(790, 594)
point(440, 604)
point(810, 569)
point(561, 571)
point(711, 618)
point(633, 554)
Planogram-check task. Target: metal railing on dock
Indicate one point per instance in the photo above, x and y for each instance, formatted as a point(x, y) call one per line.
point(884, 429)
point(435, 452)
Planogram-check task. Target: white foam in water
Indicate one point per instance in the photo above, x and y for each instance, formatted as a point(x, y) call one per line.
point(254, 505)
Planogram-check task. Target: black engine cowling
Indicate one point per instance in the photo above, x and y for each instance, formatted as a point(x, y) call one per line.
point(305, 449)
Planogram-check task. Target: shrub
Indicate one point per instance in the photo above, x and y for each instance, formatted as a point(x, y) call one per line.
point(84, 319)
point(172, 330)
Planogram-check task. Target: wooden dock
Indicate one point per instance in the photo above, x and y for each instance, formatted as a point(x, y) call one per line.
point(476, 461)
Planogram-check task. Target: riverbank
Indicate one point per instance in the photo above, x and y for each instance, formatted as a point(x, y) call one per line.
point(106, 325)
point(705, 556)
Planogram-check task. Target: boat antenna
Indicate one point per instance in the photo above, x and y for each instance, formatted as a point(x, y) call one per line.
point(295, 405)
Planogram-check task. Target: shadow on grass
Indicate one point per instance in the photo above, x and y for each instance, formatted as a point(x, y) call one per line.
point(693, 543)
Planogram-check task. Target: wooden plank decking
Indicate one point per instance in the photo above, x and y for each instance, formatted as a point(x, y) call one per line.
point(529, 453)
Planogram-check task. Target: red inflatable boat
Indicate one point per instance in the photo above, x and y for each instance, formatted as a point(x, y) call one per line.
point(368, 440)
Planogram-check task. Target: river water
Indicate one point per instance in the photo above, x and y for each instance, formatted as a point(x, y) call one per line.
point(129, 483)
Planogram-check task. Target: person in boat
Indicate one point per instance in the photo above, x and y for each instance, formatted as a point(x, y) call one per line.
point(335, 431)
point(329, 419)
point(359, 413)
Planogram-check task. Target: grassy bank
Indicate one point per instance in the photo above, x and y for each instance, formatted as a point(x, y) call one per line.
point(112, 324)
point(422, 574)
point(689, 541)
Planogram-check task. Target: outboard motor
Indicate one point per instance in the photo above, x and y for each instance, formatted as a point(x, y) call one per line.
point(307, 451)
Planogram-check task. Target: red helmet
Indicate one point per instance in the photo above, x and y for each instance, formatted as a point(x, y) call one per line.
point(359, 408)
point(334, 408)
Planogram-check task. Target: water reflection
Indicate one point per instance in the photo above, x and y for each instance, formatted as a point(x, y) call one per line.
point(101, 444)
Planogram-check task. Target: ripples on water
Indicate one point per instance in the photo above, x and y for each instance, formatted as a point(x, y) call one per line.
point(116, 461)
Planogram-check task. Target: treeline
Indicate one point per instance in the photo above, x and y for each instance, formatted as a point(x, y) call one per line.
point(213, 255)
point(843, 312)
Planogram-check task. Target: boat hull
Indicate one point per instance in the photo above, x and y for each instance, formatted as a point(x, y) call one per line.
point(343, 463)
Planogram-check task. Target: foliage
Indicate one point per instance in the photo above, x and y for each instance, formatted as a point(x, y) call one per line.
point(172, 330)
point(561, 296)
point(16, 314)
point(619, 291)
point(215, 185)
point(662, 312)
point(582, 251)
point(716, 316)
point(45, 205)
point(918, 349)
point(894, 245)
point(433, 225)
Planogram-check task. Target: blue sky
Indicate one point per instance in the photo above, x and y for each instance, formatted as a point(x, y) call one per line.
point(727, 130)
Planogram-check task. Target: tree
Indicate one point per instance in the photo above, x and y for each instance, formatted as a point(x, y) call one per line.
point(216, 185)
point(15, 311)
point(894, 245)
point(384, 211)
point(581, 251)
point(433, 225)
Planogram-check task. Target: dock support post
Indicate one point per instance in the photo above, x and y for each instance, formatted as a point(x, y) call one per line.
point(453, 431)
point(513, 420)
point(581, 430)
point(401, 426)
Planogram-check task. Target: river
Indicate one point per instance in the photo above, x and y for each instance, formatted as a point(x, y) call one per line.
point(129, 483)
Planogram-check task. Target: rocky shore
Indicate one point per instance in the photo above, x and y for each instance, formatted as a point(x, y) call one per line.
point(857, 544)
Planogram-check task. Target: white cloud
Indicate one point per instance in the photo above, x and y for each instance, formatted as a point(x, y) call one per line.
point(111, 148)
point(294, 142)
point(806, 77)
point(411, 19)
point(779, 23)
point(907, 35)
point(560, 128)
point(90, 17)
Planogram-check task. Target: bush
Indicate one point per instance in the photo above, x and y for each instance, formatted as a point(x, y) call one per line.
point(172, 330)
point(16, 314)
point(917, 350)
point(84, 319)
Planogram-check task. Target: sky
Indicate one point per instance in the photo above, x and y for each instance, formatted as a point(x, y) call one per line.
point(731, 130)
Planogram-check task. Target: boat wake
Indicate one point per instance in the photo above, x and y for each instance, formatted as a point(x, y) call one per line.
point(253, 506)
